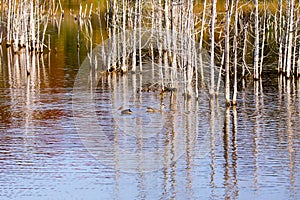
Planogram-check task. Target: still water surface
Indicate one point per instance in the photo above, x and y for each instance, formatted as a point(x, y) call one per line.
point(253, 156)
point(248, 153)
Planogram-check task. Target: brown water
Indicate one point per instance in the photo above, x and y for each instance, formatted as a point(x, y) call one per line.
point(58, 144)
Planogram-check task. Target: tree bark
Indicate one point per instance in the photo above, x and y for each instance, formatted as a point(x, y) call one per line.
point(290, 39)
point(263, 41)
point(235, 48)
point(134, 36)
point(124, 65)
point(201, 39)
point(227, 53)
point(212, 56)
point(256, 42)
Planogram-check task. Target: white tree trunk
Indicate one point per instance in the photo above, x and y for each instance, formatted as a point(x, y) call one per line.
point(245, 50)
point(8, 26)
point(263, 42)
point(134, 36)
point(298, 62)
point(201, 38)
point(124, 65)
point(256, 42)
point(226, 52)
point(235, 48)
point(290, 39)
point(140, 33)
point(212, 56)
point(295, 46)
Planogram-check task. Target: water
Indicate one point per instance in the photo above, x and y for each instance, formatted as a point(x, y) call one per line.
point(185, 152)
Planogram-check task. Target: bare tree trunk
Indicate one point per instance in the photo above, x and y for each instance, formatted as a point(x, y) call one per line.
point(226, 51)
point(167, 38)
point(140, 33)
point(256, 42)
point(290, 38)
point(124, 65)
point(294, 70)
point(190, 36)
point(113, 65)
point(263, 40)
point(298, 63)
point(36, 13)
point(235, 48)
point(134, 36)
point(212, 56)
point(8, 26)
point(159, 43)
point(220, 74)
point(275, 27)
point(1, 22)
point(32, 26)
point(201, 38)
point(245, 50)
point(153, 24)
point(174, 27)
point(101, 36)
point(284, 43)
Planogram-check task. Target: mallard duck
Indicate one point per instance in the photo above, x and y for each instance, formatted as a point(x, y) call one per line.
point(153, 110)
point(149, 109)
point(126, 112)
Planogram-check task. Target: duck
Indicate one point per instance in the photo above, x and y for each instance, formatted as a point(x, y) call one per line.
point(126, 112)
point(149, 109)
point(154, 110)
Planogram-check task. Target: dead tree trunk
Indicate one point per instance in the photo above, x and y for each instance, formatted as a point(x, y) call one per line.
point(134, 36)
point(227, 53)
point(140, 33)
point(256, 42)
point(263, 41)
point(279, 28)
point(124, 65)
point(201, 38)
point(235, 48)
point(244, 51)
point(212, 37)
point(290, 38)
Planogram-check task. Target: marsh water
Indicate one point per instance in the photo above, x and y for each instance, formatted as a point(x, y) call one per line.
point(58, 143)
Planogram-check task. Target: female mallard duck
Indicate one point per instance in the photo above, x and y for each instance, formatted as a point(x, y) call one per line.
point(154, 110)
point(149, 109)
point(126, 112)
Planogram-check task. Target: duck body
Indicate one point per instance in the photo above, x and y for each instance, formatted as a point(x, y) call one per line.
point(149, 109)
point(126, 112)
point(155, 110)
